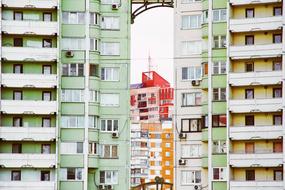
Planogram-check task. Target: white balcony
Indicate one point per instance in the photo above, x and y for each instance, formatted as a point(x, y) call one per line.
point(29, 27)
point(27, 185)
point(27, 133)
point(255, 78)
point(255, 132)
point(256, 185)
point(247, 2)
point(256, 159)
point(255, 105)
point(256, 24)
point(28, 107)
point(29, 80)
point(28, 160)
point(42, 4)
point(255, 51)
point(29, 54)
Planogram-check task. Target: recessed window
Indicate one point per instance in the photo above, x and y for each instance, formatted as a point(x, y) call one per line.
point(46, 149)
point(249, 66)
point(278, 175)
point(93, 149)
point(219, 15)
point(46, 96)
point(46, 122)
point(94, 44)
point(219, 147)
point(190, 22)
point(219, 121)
point(219, 67)
point(47, 43)
point(16, 175)
point(18, 15)
point(45, 175)
point(109, 151)
point(191, 150)
point(47, 17)
point(46, 69)
point(277, 38)
point(110, 23)
point(17, 95)
point(18, 42)
point(110, 73)
point(73, 17)
point(277, 119)
point(191, 73)
point(73, 173)
point(277, 65)
point(249, 148)
point(16, 148)
point(219, 174)
point(191, 125)
point(277, 92)
point(191, 99)
point(93, 70)
point(277, 147)
point(277, 11)
point(249, 13)
point(18, 68)
point(219, 94)
point(250, 175)
point(220, 41)
point(249, 94)
point(249, 40)
point(17, 122)
point(73, 70)
point(249, 120)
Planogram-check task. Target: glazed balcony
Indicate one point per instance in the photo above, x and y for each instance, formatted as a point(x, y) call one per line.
point(29, 27)
point(260, 158)
point(27, 185)
point(253, 185)
point(29, 54)
point(255, 105)
point(255, 132)
point(247, 2)
point(9, 160)
point(255, 78)
point(27, 133)
point(29, 80)
point(256, 24)
point(28, 107)
point(36, 4)
point(255, 51)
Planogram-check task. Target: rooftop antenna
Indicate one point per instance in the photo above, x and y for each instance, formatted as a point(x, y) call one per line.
point(149, 61)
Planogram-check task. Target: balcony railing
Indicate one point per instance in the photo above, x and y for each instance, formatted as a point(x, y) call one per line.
point(43, 4)
point(247, 2)
point(253, 185)
point(27, 185)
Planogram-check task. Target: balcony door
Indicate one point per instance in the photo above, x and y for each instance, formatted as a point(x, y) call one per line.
point(249, 148)
point(277, 147)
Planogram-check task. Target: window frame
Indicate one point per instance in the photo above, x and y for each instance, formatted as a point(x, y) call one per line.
point(247, 40)
point(197, 96)
point(247, 13)
point(12, 175)
point(199, 125)
point(246, 94)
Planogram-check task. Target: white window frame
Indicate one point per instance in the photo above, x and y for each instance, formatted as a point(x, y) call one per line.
point(220, 15)
point(189, 150)
point(222, 174)
point(72, 95)
point(186, 22)
point(186, 99)
point(189, 48)
point(95, 17)
point(69, 148)
point(106, 125)
point(189, 177)
point(94, 96)
point(69, 119)
point(69, 13)
point(114, 177)
point(110, 48)
point(116, 104)
point(110, 156)
point(189, 1)
point(79, 175)
point(221, 66)
point(73, 44)
point(195, 70)
point(110, 23)
point(94, 44)
point(222, 41)
point(220, 94)
point(77, 69)
point(113, 71)
point(219, 147)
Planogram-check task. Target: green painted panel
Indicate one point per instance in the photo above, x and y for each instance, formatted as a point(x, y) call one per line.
point(95, 31)
point(28, 14)
point(219, 133)
point(71, 185)
point(71, 160)
point(219, 160)
point(94, 109)
point(219, 185)
point(72, 82)
point(72, 108)
point(78, 57)
point(28, 147)
point(73, 30)
point(28, 67)
point(204, 84)
point(94, 57)
point(28, 120)
point(73, 5)
point(27, 93)
point(204, 134)
point(220, 28)
point(93, 162)
point(94, 6)
point(28, 41)
point(219, 81)
point(73, 134)
point(205, 4)
point(93, 135)
point(205, 31)
point(220, 4)
point(219, 54)
point(219, 107)
point(205, 162)
point(92, 178)
point(94, 83)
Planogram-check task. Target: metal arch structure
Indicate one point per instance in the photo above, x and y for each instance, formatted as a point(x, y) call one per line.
point(159, 183)
point(147, 5)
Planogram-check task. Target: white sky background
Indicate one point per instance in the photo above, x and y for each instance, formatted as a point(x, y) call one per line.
point(152, 32)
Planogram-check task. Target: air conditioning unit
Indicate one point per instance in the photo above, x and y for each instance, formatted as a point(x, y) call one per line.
point(197, 187)
point(182, 162)
point(109, 187)
point(195, 82)
point(115, 135)
point(183, 136)
point(115, 7)
point(101, 187)
point(69, 54)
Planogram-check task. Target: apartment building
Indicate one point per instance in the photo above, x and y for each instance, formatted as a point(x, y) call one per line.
point(64, 121)
point(151, 130)
point(241, 102)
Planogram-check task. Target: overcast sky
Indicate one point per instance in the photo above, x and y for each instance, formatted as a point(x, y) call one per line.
point(152, 33)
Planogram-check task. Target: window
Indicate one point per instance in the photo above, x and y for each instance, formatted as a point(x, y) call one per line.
point(277, 65)
point(17, 95)
point(110, 23)
point(219, 174)
point(72, 95)
point(72, 121)
point(167, 172)
point(167, 154)
point(109, 151)
point(249, 94)
point(71, 147)
point(191, 125)
point(92, 148)
point(190, 177)
point(277, 92)
point(191, 47)
point(219, 147)
point(191, 150)
point(277, 38)
point(94, 44)
point(189, 1)
point(93, 70)
point(219, 94)
point(277, 147)
point(167, 163)
point(109, 99)
point(94, 18)
point(205, 122)
point(109, 177)
point(17, 122)
point(205, 68)
point(93, 120)
point(249, 13)
point(249, 148)
point(46, 96)
point(191, 99)
point(277, 11)
point(191, 73)
point(277, 119)
point(47, 17)
point(47, 43)
point(46, 122)
point(71, 173)
point(73, 18)
point(249, 66)
point(249, 120)
point(249, 175)
point(18, 15)
point(219, 15)
point(110, 2)
point(18, 42)
point(278, 175)
point(16, 148)
point(46, 69)
point(18, 68)
point(15, 175)
point(45, 175)
point(110, 74)
point(249, 40)
point(73, 70)
point(220, 41)
point(110, 48)
point(219, 120)
point(109, 125)
point(46, 149)
point(219, 67)
point(73, 44)
point(93, 96)
point(191, 22)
